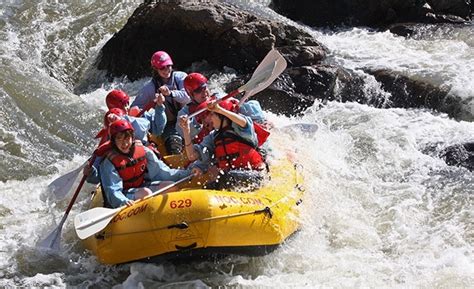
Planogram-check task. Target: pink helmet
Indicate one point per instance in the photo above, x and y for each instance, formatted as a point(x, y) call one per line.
point(160, 59)
point(117, 98)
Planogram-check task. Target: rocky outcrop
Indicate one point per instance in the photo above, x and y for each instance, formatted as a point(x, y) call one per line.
point(191, 31)
point(374, 12)
point(226, 36)
point(461, 155)
point(407, 92)
point(298, 87)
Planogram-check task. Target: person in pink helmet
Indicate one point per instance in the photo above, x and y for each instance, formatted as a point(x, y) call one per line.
point(170, 84)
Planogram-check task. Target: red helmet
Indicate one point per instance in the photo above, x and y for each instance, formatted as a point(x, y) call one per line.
point(231, 104)
point(203, 105)
point(194, 81)
point(117, 111)
point(119, 126)
point(117, 98)
point(160, 59)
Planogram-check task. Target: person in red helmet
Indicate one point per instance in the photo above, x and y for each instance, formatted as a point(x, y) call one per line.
point(141, 126)
point(232, 146)
point(154, 121)
point(196, 86)
point(128, 167)
point(117, 98)
point(170, 84)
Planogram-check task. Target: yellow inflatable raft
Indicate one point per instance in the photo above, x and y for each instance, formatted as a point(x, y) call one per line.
point(197, 222)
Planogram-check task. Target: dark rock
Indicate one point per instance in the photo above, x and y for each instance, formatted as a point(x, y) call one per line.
point(403, 29)
point(460, 8)
point(413, 93)
point(219, 33)
point(373, 13)
point(298, 87)
point(459, 155)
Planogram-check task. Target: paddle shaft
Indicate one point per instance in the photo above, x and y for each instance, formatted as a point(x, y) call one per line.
point(231, 94)
point(78, 189)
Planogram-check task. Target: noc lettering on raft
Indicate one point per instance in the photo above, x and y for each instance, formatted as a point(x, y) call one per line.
point(238, 201)
point(130, 213)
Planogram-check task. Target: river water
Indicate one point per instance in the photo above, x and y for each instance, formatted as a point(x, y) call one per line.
point(381, 209)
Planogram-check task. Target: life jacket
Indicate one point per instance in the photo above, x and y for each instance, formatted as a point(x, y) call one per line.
point(172, 107)
point(234, 152)
point(131, 169)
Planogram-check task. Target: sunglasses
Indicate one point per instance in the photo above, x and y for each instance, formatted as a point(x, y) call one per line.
point(200, 89)
point(165, 67)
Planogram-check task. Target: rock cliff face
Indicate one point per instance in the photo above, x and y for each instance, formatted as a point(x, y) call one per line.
point(221, 35)
point(216, 32)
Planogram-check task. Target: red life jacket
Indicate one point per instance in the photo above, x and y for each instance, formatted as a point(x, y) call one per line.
point(131, 169)
point(234, 152)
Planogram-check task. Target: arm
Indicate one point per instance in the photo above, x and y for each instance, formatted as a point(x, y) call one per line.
point(141, 125)
point(93, 175)
point(188, 145)
point(146, 94)
point(252, 109)
point(112, 184)
point(247, 132)
point(157, 119)
point(159, 171)
point(234, 117)
point(194, 126)
point(180, 94)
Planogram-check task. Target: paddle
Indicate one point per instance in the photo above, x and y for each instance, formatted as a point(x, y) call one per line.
point(53, 240)
point(267, 71)
point(305, 128)
point(62, 185)
point(96, 219)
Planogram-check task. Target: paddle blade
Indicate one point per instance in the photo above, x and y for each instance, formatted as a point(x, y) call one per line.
point(307, 129)
point(61, 186)
point(92, 221)
point(53, 240)
point(269, 69)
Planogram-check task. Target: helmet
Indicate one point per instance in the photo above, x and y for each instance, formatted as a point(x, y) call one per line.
point(160, 59)
point(230, 104)
point(117, 98)
point(194, 81)
point(200, 117)
point(119, 126)
point(117, 111)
